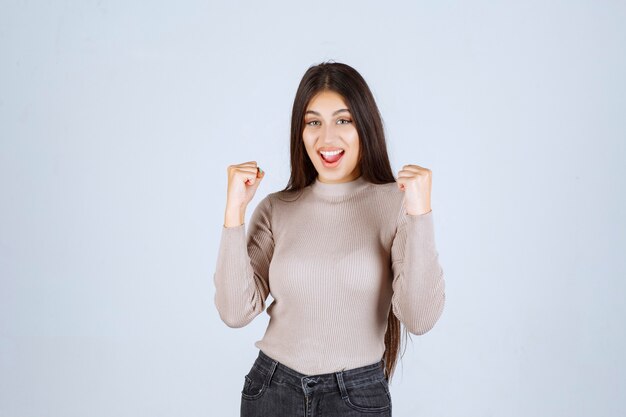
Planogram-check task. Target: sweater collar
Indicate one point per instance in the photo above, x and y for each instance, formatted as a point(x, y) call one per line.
point(338, 189)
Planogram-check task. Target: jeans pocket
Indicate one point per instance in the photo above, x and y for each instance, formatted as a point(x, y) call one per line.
point(253, 385)
point(373, 397)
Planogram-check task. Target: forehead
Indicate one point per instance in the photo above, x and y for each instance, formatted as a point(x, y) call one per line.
point(327, 101)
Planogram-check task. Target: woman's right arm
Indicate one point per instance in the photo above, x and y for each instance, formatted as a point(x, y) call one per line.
point(241, 274)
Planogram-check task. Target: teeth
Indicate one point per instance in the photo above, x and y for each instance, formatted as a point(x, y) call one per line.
point(330, 153)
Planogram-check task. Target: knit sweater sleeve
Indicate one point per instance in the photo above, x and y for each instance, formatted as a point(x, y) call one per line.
point(418, 280)
point(241, 274)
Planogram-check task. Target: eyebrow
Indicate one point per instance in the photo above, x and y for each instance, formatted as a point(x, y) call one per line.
point(336, 112)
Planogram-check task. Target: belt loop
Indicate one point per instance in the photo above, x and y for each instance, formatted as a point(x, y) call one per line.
point(342, 387)
point(270, 374)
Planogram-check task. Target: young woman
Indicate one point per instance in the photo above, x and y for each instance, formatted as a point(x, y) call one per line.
point(346, 250)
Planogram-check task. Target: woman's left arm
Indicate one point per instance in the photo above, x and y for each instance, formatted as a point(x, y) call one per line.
point(418, 282)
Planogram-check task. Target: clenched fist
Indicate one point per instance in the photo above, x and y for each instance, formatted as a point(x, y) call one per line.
point(243, 181)
point(416, 182)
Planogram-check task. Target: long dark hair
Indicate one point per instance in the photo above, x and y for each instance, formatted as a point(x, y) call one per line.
point(373, 159)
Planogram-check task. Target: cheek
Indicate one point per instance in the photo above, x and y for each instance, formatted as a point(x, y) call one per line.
point(353, 138)
point(308, 146)
point(354, 158)
point(354, 142)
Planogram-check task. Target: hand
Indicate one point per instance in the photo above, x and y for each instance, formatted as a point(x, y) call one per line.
point(416, 182)
point(243, 181)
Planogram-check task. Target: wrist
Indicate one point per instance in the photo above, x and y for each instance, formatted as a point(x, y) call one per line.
point(234, 216)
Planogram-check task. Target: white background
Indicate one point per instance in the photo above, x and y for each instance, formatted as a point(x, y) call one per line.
point(118, 120)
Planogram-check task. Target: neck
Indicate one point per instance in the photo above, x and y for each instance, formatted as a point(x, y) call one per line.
point(339, 188)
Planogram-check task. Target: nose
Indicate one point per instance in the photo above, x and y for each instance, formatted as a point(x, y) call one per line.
point(329, 134)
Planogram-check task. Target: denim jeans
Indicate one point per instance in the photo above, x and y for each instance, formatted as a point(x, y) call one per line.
point(271, 389)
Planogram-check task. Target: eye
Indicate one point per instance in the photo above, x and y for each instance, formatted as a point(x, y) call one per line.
point(313, 121)
point(345, 120)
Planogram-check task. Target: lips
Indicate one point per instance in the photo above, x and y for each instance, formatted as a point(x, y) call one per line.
point(332, 158)
point(332, 161)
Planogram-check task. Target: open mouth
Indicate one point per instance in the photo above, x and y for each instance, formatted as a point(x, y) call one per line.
point(331, 158)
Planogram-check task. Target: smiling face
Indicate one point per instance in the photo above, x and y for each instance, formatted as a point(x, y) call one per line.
point(329, 128)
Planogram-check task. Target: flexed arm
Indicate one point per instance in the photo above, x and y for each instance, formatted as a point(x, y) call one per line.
point(418, 280)
point(241, 274)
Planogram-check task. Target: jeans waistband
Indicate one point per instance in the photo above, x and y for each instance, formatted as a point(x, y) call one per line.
point(274, 371)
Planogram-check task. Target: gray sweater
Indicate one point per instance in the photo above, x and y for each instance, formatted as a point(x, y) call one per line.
point(335, 260)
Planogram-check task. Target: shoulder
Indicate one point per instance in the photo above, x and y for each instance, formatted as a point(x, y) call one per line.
point(274, 201)
point(390, 187)
point(391, 198)
point(388, 191)
point(280, 198)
